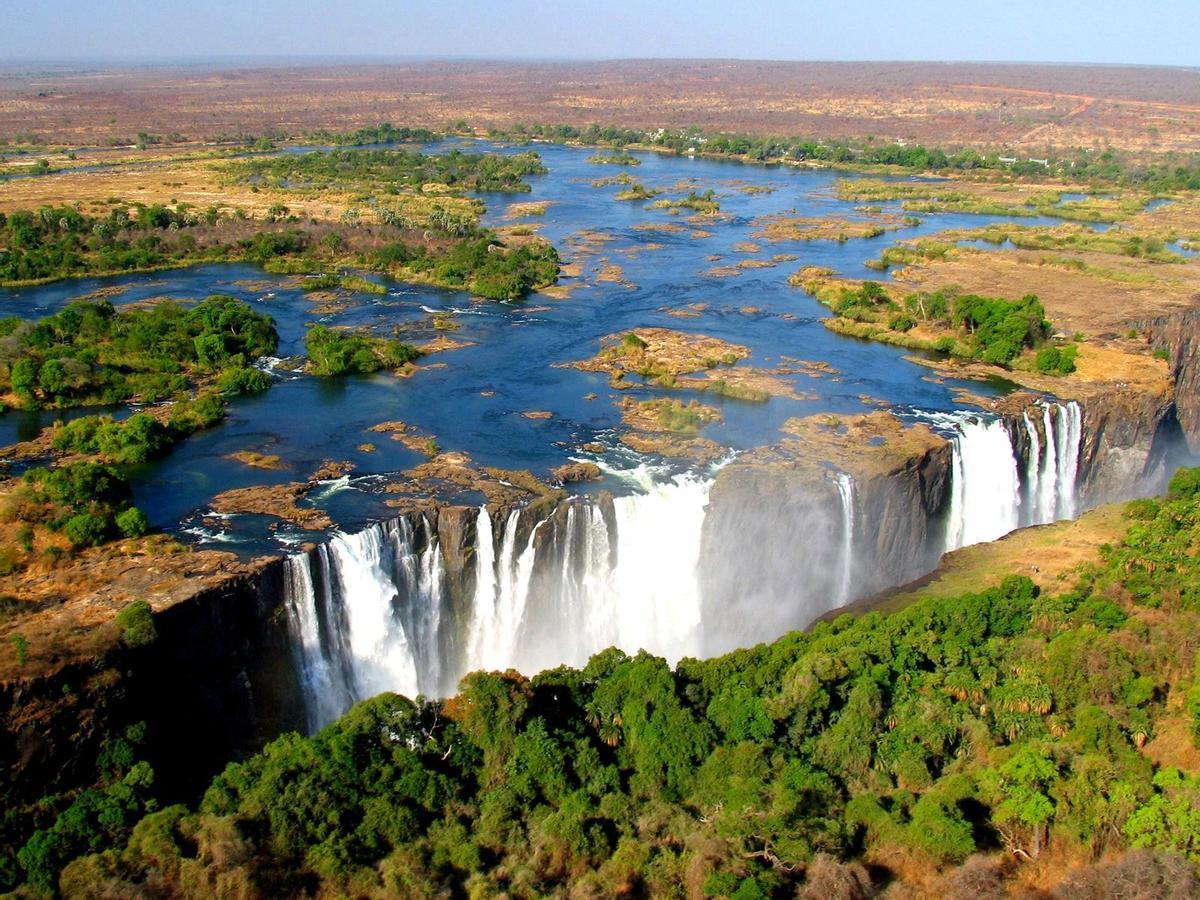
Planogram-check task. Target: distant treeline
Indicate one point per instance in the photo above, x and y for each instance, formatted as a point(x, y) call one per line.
point(1171, 173)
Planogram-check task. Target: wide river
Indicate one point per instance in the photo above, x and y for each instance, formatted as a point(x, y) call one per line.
point(472, 399)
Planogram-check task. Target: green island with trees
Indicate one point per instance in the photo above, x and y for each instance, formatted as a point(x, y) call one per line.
point(993, 330)
point(391, 169)
point(1013, 722)
point(90, 354)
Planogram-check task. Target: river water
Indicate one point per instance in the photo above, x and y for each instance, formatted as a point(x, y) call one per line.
point(369, 609)
point(472, 399)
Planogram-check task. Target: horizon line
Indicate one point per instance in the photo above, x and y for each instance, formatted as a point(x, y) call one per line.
point(316, 59)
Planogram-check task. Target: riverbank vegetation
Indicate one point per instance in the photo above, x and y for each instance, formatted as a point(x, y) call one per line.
point(1172, 172)
point(392, 210)
point(987, 741)
point(389, 170)
point(142, 436)
point(993, 199)
point(614, 158)
point(91, 354)
point(992, 330)
point(458, 256)
point(86, 502)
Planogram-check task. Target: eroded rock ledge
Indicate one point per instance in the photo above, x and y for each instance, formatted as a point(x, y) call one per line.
point(776, 536)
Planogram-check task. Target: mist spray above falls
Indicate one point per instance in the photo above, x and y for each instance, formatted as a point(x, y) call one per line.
point(653, 570)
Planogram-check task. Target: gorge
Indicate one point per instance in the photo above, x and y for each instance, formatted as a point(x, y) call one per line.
point(413, 604)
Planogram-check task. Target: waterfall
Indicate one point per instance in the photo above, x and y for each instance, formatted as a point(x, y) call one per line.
point(990, 496)
point(321, 678)
point(1069, 437)
point(552, 594)
point(500, 596)
point(1048, 502)
point(985, 494)
point(845, 486)
point(378, 611)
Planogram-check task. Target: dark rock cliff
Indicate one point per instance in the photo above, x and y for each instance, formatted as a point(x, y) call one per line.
point(216, 684)
point(1179, 335)
point(773, 554)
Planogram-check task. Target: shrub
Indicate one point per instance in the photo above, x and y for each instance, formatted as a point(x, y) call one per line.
point(20, 648)
point(132, 522)
point(137, 624)
point(243, 380)
point(1056, 360)
point(87, 529)
point(191, 415)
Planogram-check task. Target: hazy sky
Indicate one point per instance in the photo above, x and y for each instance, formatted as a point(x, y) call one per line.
point(1117, 31)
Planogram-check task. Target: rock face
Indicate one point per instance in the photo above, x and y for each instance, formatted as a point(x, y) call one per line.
point(1179, 335)
point(787, 538)
point(216, 684)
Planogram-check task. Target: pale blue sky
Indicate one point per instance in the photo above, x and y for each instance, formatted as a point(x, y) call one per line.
point(1113, 31)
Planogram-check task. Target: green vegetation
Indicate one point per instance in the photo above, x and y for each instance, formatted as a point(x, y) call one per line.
point(1081, 239)
point(483, 267)
point(141, 437)
point(637, 191)
point(388, 170)
point(136, 622)
point(336, 352)
point(1169, 173)
point(990, 329)
point(615, 158)
point(384, 133)
point(89, 353)
point(86, 501)
point(1056, 360)
point(424, 229)
point(705, 203)
point(1009, 720)
point(58, 242)
point(933, 197)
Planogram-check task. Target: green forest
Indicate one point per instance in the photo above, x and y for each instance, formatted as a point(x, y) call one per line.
point(1011, 722)
point(990, 329)
point(91, 354)
point(392, 168)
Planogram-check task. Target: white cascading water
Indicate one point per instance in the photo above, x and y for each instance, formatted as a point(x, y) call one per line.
point(989, 498)
point(326, 693)
point(369, 611)
point(985, 489)
point(1048, 502)
point(845, 486)
point(1069, 438)
point(500, 594)
point(388, 597)
point(382, 656)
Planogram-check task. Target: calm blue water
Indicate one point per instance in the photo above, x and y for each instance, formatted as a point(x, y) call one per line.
point(307, 420)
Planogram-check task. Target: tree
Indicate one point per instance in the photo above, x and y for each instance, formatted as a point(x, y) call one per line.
point(1023, 783)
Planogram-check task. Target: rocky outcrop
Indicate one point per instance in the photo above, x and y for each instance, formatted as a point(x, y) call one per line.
point(783, 542)
point(1179, 335)
point(214, 686)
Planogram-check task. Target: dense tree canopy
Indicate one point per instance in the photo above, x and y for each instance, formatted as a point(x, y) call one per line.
point(91, 353)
